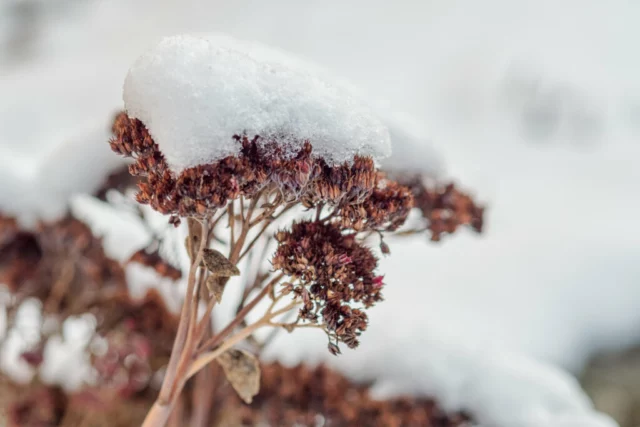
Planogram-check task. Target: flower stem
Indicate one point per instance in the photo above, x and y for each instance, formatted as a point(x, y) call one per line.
point(161, 410)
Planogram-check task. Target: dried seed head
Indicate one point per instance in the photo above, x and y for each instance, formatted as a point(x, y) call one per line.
point(333, 271)
point(201, 190)
point(444, 208)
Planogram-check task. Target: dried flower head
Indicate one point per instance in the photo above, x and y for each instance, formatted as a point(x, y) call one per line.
point(61, 263)
point(444, 207)
point(124, 369)
point(329, 271)
point(386, 208)
point(148, 317)
point(260, 163)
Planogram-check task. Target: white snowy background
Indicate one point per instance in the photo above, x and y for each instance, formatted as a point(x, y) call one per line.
point(533, 106)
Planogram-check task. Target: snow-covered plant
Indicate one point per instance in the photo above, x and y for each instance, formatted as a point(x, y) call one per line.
point(274, 172)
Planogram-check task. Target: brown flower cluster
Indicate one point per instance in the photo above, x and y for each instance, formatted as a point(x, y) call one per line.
point(445, 208)
point(307, 396)
point(148, 318)
point(61, 263)
point(49, 406)
point(329, 271)
point(386, 208)
point(124, 369)
point(260, 164)
point(363, 198)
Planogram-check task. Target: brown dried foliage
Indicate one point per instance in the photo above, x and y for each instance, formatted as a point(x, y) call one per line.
point(302, 396)
point(288, 396)
point(148, 317)
point(61, 264)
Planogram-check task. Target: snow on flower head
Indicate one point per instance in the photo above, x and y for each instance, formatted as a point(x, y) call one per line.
point(194, 93)
point(210, 119)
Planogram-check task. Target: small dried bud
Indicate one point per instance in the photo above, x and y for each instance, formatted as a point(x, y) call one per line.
point(218, 264)
point(334, 349)
point(242, 371)
point(287, 288)
point(384, 248)
point(378, 282)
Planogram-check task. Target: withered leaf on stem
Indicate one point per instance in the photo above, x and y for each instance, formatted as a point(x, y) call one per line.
point(289, 327)
point(218, 264)
point(216, 287)
point(242, 371)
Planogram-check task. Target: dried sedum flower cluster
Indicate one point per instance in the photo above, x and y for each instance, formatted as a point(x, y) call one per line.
point(306, 197)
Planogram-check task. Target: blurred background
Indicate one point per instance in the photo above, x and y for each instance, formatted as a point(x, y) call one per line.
point(534, 108)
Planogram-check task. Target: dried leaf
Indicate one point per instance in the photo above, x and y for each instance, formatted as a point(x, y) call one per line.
point(218, 264)
point(242, 371)
point(289, 327)
point(216, 287)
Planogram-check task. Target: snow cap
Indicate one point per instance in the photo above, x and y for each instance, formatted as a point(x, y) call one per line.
point(194, 93)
